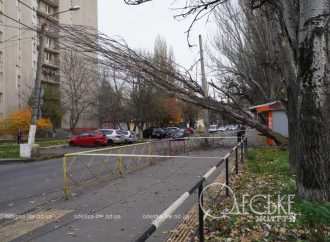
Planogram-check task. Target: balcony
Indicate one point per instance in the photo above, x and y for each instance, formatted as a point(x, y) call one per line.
point(46, 8)
point(50, 77)
point(52, 50)
point(52, 3)
point(53, 66)
point(42, 14)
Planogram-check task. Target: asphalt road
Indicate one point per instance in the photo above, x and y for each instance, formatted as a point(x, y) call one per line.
point(129, 203)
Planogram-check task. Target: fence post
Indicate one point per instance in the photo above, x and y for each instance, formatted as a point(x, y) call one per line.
point(184, 146)
point(65, 179)
point(200, 213)
point(246, 146)
point(227, 176)
point(242, 152)
point(236, 159)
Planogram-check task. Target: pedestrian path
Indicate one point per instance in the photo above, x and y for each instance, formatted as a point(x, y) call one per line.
point(122, 209)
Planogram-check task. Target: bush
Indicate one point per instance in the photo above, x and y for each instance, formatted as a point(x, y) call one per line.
point(21, 120)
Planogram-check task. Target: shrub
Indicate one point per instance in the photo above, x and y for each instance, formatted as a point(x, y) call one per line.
point(21, 120)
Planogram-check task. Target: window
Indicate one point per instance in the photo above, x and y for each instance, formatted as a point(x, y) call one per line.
point(1, 98)
point(48, 57)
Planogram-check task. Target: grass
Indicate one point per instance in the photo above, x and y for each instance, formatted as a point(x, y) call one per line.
point(46, 143)
point(11, 150)
point(267, 172)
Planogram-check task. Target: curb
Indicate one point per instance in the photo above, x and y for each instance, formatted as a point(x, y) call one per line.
point(24, 161)
point(14, 161)
point(54, 146)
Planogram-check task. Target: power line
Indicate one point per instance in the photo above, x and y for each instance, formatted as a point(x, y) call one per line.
point(27, 5)
point(18, 39)
point(11, 26)
point(16, 21)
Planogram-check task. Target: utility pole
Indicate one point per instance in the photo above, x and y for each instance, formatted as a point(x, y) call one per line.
point(26, 150)
point(204, 85)
point(37, 85)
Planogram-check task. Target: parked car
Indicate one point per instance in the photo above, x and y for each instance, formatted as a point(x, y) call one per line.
point(88, 139)
point(170, 131)
point(189, 131)
point(222, 129)
point(213, 128)
point(158, 133)
point(147, 133)
point(129, 136)
point(232, 127)
point(179, 134)
point(114, 136)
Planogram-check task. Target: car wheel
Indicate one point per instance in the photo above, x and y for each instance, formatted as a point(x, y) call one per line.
point(71, 144)
point(110, 142)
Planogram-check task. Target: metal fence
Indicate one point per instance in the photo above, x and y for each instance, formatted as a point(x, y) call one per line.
point(91, 166)
point(239, 151)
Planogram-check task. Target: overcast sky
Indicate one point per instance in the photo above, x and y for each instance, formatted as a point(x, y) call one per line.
point(140, 25)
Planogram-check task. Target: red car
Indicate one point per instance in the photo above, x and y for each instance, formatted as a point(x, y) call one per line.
point(88, 139)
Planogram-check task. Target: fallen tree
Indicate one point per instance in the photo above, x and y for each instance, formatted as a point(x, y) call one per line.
point(305, 27)
point(116, 54)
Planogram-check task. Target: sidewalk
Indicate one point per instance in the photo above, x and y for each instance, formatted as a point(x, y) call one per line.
point(122, 209)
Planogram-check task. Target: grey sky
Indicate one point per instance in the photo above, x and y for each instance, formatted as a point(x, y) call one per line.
point(139, 26)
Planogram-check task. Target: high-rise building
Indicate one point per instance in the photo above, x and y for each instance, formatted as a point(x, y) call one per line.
point(19, 46)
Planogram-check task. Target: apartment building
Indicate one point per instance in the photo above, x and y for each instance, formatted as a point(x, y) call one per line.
point(19, 46)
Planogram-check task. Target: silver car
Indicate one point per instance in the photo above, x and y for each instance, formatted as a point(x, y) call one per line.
point(129, 136)
point(114, 136)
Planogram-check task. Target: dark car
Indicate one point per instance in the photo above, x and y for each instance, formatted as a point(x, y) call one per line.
point(179, 134)
point(158, 133)
point(170, 131)
point(88, 139)
point(147, 133)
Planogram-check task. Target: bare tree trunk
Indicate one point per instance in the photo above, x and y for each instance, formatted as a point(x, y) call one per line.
point(313, 173)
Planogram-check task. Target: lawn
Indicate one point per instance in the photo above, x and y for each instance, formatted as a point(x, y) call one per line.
point(267, 173)
point(11, 150)
point(8, 151)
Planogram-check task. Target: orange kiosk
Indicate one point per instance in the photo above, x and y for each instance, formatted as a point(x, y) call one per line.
point(265, 113)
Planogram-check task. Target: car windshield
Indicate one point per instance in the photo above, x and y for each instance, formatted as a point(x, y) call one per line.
point(87, 134)
point(122, 132)
point(106, 132)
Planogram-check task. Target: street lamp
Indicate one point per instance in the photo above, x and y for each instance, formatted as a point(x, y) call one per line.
point(74, 8)
point(37, 84)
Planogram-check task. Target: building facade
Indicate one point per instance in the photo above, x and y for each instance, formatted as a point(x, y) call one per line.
point(19, 47)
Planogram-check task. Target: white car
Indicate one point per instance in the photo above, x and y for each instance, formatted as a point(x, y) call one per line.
point(213, 129)
point(114, 136)
point(222, 129)
point(129, 136)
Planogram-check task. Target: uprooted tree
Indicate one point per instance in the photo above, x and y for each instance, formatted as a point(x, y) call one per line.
point(304, 25)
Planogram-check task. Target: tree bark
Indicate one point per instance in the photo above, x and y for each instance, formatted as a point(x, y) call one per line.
point(312, 107)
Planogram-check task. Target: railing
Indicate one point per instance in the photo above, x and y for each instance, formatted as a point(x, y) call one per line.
point(90, 166)
point(240, 148)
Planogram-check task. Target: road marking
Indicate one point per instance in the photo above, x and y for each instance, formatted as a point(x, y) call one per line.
point(26, 223)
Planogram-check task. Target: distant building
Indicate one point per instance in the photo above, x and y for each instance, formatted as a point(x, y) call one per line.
point(274, 116)
point(19, 46)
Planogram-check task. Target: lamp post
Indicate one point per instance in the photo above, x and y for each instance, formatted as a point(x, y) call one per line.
point(37, 84)
point(204, 85)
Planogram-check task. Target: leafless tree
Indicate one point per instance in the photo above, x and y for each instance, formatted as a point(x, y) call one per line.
point(77, 87)
point(246, 55)
point(110, 98)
